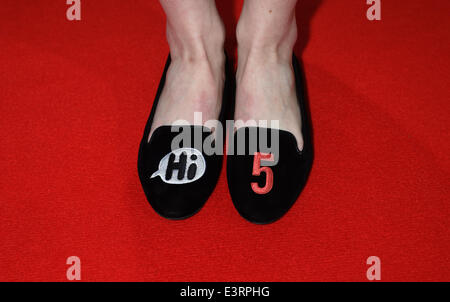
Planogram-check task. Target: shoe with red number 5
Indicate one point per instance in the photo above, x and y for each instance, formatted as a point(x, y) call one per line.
point(264, 184)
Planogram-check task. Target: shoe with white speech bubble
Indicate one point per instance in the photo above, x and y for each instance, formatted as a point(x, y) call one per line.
point(177, 167)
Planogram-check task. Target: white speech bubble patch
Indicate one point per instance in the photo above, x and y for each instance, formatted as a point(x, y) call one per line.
point(188, 159)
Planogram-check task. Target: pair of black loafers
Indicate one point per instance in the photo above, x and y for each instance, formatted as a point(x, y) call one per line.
point(265, 169)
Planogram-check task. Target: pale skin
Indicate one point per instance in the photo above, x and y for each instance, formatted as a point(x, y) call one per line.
point(266, 34)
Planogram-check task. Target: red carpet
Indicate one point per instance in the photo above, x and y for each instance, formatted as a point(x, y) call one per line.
point(75, 97)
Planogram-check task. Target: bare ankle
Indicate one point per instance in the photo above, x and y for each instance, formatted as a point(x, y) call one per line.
point(266, 43)
point(198, 46)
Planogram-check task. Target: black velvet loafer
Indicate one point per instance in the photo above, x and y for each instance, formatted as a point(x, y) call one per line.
point(178, 180)
point(263, 183)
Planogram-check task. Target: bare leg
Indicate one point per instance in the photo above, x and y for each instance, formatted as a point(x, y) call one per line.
point(266, 35)
point(195, 77)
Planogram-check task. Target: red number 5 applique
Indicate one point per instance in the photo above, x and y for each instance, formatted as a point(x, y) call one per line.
point(257, 169)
